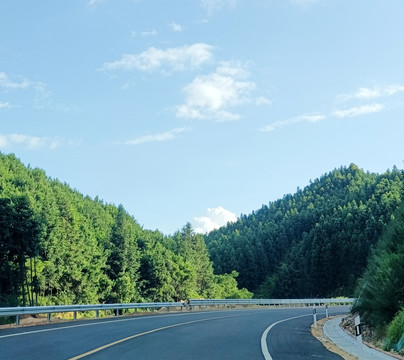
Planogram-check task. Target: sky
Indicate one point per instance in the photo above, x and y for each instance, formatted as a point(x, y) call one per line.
point(201, 110)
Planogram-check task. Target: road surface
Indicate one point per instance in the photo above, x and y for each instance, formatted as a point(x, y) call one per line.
point(232, 334)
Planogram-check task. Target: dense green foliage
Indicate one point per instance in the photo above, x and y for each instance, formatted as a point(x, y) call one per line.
point(395, 333)
point(380, 294)
point(59, 247)
point(314, 243)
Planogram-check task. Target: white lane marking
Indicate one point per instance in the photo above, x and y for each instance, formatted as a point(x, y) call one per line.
point(92, 324)
point(264, 346)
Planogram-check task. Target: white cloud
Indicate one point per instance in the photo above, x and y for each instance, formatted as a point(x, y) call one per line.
point(209, 96)
point(292, 121)
point(214, 219)
point(174, 59)
point(8, 84)
point(359, 110)
point(373, 93)
point(30, 142)
point(175, 27)
point(165, 136)
point(215, 5)
point(5, 105)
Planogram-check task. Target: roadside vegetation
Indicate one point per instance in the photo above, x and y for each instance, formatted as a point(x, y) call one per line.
point(380, 294)
point(60, 247)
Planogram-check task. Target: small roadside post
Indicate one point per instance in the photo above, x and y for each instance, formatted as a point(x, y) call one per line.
point(358, 333)
point(326, 310)
point(314, 317)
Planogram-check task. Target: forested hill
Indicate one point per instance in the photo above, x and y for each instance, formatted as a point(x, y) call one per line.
point(60, 247)
point(313, 243)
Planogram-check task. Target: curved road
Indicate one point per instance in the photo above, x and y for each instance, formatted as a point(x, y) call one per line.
point(235, 334)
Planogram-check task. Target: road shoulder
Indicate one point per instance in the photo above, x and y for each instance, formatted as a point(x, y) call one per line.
point(318, 333)
point(335, 339)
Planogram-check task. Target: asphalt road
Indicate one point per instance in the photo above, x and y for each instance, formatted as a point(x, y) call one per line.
point(234, 334)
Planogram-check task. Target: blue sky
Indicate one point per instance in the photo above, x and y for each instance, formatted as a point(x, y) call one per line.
point(201, 110)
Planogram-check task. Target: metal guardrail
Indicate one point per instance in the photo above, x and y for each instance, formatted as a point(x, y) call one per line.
point(32, 310)
point(271, 302)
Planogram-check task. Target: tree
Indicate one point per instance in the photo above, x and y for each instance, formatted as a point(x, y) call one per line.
point(19, 241)
point(380, 294)
point(124, 259)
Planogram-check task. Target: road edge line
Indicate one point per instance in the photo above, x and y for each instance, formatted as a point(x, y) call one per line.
point(264, 346)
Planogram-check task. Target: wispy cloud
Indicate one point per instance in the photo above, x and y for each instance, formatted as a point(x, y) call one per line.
point(5, 105)
point(375, 92)
point(172, 59)
point(31, 142)
point(159, 137)
point(175, 27)
point(359, 110)
point(214, 219)
point(44, 99)
point(42, 96)
point(210, 96)
point(149, 33)
point(262, 100)
point(362, 94)
point(9, 84)
point(213, 6)
point(312, 118)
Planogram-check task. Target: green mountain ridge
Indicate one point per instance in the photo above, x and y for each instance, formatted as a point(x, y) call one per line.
point(60, 247)
point(314, 243)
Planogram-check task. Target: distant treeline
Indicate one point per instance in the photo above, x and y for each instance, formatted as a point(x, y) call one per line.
point(60, 247)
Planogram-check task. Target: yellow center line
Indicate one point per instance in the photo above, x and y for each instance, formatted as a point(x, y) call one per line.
point(141, 334)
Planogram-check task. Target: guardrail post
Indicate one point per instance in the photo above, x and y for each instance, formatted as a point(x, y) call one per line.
point(48, 318)
point(315, 317)
point(97, 314)
point(74, 315)
point(358, 333)
point(17, 320)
